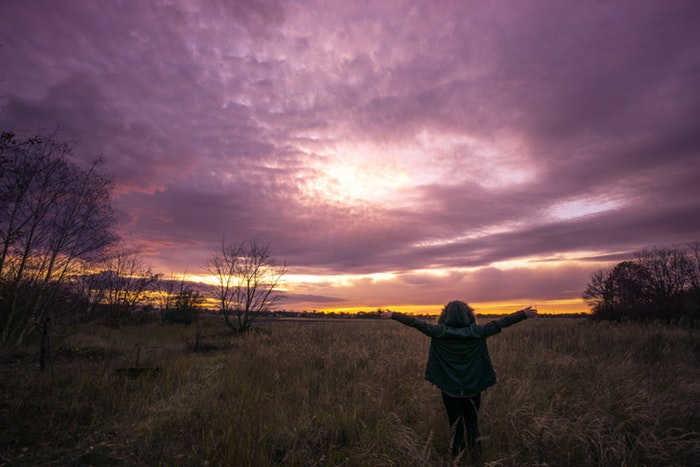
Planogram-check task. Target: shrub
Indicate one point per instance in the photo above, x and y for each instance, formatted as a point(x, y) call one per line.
point(180, 316)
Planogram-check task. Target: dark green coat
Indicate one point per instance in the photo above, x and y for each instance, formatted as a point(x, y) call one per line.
point(459, 362)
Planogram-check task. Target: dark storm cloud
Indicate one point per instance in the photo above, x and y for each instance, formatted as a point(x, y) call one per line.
point(217, 118)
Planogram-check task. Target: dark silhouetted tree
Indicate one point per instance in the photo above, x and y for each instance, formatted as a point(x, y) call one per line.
point(186, 304)
point(55, 217)
point(670, 274)
point(165, 293)
point(658, 283)
point(247, 282)
point(126, 281)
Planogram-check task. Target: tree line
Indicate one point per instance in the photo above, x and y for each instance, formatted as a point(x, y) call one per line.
point(656, 284)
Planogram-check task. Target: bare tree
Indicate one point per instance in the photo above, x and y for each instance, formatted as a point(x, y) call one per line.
point(79, 223)
point(670, 272)
point(223, 266)
point(88, 290)
point(165, 294)
point(619, 292)
point(187, 303)
point(17, 176)
point(598, 290)
point(54, 217)
point(34, 178)
point(658, 283)
point(126, 282)
point(694, 255)
point(248, 279)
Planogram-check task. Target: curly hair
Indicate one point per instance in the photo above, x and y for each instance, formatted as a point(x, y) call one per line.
point(457, 314)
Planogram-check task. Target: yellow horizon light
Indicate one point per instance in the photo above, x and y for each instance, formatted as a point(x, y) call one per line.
point(558, 306)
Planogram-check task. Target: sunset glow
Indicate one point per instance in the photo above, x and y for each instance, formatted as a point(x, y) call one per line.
point(544, 306)
point(349, 181)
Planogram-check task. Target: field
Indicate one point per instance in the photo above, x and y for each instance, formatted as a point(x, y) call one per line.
point(570, 392)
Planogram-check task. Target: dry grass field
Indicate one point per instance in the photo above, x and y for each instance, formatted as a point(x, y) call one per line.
point(570, 392)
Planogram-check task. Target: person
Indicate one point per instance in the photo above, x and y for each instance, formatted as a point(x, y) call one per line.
point(459, 364)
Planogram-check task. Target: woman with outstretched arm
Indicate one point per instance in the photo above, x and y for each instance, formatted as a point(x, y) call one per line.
point(459, 364)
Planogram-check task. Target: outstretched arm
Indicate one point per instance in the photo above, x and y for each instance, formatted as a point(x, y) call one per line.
point(428, 329)
point(489, 329)
point(494, 327)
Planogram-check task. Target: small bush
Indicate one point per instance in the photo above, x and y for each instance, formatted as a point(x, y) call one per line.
point(125, 317)
point(177, 316)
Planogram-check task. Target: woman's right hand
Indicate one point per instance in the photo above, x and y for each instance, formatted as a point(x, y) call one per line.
point(385, 314)
point(529, 312)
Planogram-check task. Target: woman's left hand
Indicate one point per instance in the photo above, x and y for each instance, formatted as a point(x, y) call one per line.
point(530, 312)
point(385, 314)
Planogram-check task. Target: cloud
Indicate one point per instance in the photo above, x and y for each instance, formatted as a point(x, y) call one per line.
point(290, 298)
point(563, 281)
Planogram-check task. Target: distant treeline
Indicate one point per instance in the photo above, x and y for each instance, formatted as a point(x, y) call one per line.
point(375, 315)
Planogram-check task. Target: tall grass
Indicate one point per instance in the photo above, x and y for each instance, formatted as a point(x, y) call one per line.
point(570, 392)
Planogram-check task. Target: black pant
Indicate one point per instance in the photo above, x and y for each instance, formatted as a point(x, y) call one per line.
point(463, 411)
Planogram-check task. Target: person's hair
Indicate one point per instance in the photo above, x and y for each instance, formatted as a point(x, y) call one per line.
point(457, 314)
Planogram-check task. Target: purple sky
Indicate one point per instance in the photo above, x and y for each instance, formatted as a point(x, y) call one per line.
point(393, 153)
